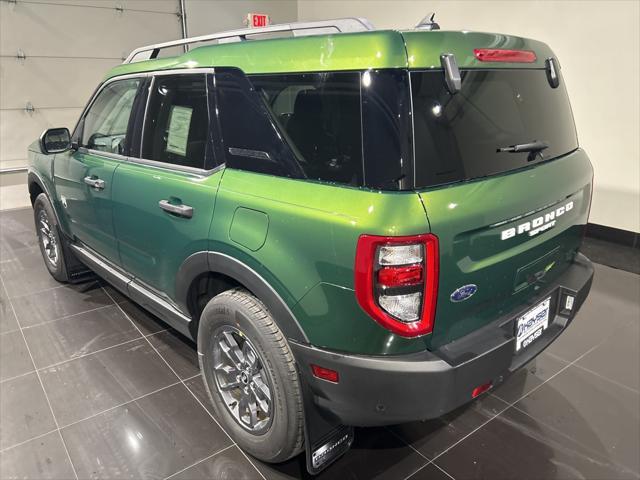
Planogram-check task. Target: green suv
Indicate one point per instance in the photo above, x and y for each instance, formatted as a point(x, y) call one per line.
point(358, 227)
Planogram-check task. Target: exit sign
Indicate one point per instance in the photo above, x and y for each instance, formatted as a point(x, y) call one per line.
point(256, 20)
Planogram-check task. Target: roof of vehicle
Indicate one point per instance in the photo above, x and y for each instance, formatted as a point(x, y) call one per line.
point(377, 49)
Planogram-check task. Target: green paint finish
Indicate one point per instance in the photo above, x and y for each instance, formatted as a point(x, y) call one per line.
point(333, 319)
point(471, 251)
point(313, 231)
point(152, 242)
point(353, 51)
point(88, 211)
point(424, 48)
point(249, 228)
point(318, 53)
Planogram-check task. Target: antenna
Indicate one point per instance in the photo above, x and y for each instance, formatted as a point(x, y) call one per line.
point(428, 23)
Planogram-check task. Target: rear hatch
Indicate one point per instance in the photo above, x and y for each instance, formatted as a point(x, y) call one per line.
point(509, 222)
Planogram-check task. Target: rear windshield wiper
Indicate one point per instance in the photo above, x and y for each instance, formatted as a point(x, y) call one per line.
point(534, 148)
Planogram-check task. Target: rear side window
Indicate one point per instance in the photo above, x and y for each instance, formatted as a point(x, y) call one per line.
point(105, 123)
point(250, 136)
point(457, 137)
point(320, 115)
point(176, 127)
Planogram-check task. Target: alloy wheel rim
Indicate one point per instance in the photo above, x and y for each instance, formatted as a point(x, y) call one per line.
point(241, 380)
point(47, 238)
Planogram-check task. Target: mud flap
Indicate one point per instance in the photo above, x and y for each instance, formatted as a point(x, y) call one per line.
point(326, 439)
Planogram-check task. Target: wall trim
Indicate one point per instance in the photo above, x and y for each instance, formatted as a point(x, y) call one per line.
point(613, 235)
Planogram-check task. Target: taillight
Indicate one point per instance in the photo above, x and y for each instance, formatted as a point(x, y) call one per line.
point(396, 281)
point(502, 55)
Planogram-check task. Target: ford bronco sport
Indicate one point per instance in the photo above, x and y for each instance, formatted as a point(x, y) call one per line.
point(358, 227)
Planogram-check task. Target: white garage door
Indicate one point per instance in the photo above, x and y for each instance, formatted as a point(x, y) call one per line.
point(53, 54)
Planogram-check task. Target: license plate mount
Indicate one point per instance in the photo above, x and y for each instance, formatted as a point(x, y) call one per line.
point(531, 325)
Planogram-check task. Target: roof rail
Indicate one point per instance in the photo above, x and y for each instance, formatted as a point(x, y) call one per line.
point(298, 29)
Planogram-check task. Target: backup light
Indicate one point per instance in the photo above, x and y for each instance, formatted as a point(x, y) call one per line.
point(502, 55)
point(396, 281)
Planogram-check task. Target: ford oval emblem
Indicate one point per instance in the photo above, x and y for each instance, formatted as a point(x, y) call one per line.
point(463, 293)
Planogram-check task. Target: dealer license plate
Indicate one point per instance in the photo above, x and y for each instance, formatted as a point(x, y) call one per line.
point(529, 327)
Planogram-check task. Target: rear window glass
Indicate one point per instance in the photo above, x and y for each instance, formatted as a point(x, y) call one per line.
point(457, 137)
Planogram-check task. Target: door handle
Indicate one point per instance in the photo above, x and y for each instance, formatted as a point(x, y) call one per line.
point(179, 210)
point(94, 182)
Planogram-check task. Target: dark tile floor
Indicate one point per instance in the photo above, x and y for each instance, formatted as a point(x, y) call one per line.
point(91, 386)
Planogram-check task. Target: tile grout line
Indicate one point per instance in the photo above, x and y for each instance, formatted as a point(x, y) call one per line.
point(135, 399)
point(68, 360)
point(22, 295)
point(442, 470)
point(563, 434)
point(509, 405)
point(64, 317)
point(46, 396)
point(185, 385)
point(199, 462)
point(613, 382)
point(75, 422)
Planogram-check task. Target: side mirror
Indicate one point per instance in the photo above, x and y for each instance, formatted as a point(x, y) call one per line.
point(55, 140)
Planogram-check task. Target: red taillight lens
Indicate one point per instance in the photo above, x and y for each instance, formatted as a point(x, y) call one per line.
point(325, 373)
point(396, 281)
point(400, 276)
point(502, 55)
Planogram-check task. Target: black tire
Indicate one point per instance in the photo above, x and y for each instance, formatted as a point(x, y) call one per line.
point(43, 212)
point(237, 310)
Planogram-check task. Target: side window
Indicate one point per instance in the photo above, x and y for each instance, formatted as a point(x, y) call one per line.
point(105, 123)
point(251, 138)
point(321, 116)
point(176, 127)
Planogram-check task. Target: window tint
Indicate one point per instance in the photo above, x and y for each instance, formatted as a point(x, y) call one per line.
point(251, 139)
point(320, 115)
point(386, 125)
point(176, 127)
point(457, 137)
point(105, 124)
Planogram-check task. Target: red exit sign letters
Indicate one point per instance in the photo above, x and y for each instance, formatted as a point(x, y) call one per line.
point(257, 20)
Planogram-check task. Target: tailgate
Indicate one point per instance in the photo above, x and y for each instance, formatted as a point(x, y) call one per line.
point(509, 235)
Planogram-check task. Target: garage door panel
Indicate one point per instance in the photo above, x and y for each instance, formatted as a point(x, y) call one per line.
point(80, 32)
point(160, 6)
point(50, 82)
point(19, 128)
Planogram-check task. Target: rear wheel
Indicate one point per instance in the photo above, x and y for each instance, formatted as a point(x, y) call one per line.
point(49, 238)
point(251, 376)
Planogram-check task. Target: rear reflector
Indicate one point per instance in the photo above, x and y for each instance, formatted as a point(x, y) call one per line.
point(325, 373)
point(481, 389)
point(507, 56)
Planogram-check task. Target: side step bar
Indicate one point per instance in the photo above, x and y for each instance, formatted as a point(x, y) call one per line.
point(134, 289)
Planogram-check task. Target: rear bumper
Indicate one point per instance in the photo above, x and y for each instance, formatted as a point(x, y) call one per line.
point(388, 390)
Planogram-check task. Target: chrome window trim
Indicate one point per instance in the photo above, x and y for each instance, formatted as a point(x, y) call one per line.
point(99, 90)
point(144, 161)
point(111, 156)
point(202, 172)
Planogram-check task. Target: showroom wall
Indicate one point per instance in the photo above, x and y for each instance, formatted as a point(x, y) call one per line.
point(53, 54)
point(69, 44)
point(598, 45)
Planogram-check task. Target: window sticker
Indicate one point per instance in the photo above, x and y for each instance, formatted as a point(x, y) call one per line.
point(179, 124)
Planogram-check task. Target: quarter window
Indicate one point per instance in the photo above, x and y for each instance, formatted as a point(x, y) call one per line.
point(105, 124)
point(320, 114)
point(176, 129)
